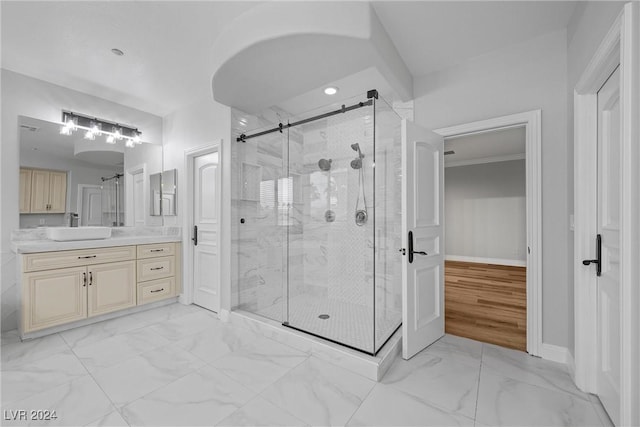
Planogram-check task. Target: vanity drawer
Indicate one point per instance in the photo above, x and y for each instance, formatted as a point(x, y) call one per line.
point(60, 259)
point(156, 268)
point(156, 250)
point(156, 290)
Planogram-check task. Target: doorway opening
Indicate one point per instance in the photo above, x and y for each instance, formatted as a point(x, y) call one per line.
point(528, 123)
point(485, 237)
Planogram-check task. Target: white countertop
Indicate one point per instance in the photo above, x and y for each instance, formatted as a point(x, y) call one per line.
point(30, 245)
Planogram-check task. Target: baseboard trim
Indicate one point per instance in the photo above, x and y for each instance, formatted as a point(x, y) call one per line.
point(481, 260)
point(555, 353)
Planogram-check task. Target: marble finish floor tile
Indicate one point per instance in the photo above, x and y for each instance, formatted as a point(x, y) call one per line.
point(387, 406)
point(76, 403)
point(179, 365)
point(457, 349)
point(503, 401)
point(180, 327)
point(135, 377)
point(260, 412)
point(526, 368)
point(259, 363)
point(112, 419)
point(319, 393)
point(21, 381)
point(204, 397)
point(90, 334)
point(447, 383)
point(21, 352)
point(221, 339)
point(113, 350)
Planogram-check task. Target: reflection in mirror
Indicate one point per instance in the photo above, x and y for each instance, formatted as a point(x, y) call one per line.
point(169, 190)
point(155, 190)
point(69, 180)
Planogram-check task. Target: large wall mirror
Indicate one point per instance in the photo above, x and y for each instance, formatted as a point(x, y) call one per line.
point(62, 176)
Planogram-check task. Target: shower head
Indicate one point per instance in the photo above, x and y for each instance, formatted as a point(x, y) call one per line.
point(324, 164)
point(356, 163)
point(356, 147)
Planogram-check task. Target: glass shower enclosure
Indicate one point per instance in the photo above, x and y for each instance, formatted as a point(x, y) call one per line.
point(316, 213)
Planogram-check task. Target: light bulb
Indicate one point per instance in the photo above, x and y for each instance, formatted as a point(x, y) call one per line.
point(89, 135)
point(331, 90)
point(68, 127)
point(111, 139)
point(130, 143)
point(136, 139)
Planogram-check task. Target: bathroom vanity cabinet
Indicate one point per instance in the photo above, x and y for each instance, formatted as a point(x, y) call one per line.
point(62, 287)
point(42, 191)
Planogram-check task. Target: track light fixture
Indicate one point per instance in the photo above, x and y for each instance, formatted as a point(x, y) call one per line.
point(93, 127)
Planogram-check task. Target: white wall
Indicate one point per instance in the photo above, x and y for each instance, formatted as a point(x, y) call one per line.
point(22, 95)
point(588, 26)
point(523, 77)
point(485, 211)
point(204, 122)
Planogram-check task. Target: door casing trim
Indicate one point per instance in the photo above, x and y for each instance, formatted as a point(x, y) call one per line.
point(531, 121)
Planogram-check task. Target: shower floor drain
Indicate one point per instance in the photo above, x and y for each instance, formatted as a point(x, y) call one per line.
point(324, 316)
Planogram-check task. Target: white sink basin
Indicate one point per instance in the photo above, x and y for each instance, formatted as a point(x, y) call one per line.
point(63, 234)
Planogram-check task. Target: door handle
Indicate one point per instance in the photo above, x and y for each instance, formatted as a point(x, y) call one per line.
point(90, 278)
point(195, 235)
point(84, 280)
point(598, 260)
point(411, 251)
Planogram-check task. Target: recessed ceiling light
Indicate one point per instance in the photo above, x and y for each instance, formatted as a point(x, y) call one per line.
point(331, 90)
point(117, 52)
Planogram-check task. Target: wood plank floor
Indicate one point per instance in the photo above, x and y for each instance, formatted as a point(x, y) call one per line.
point(487, 303)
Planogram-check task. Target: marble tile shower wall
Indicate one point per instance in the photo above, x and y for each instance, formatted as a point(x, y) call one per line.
point(332, 260)
point(338, 255)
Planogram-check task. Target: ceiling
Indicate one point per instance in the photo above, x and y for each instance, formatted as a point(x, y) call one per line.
point(44, 137)
point(487, 147)
point(432, 36)
point(169, 60)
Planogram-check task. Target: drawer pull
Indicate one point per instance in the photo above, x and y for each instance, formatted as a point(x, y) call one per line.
point(156, 268)
point(156, 250)
point(157, 290)
point(87, 257)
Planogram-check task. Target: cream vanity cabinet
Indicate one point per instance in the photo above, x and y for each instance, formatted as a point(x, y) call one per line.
point(67, 286)
point(159, 272)
point(94, 282)
point(42, 191)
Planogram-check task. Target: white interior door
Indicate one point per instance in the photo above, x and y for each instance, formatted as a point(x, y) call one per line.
point(608, 283)
point(423, 216)
point(91, 213)
point(206, 220)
